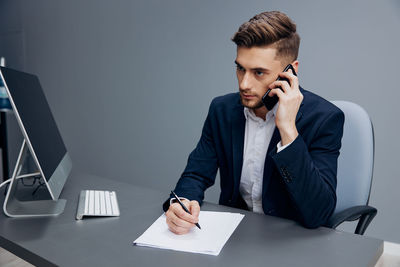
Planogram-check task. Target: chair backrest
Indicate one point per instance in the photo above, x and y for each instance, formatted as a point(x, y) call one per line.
point(356, 160)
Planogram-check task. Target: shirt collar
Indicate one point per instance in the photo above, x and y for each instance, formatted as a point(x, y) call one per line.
point(250, 113)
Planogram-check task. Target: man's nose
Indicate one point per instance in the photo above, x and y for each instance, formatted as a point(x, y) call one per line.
point(245, 82)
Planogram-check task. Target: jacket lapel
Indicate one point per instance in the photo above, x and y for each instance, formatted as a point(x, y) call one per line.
point(299, 113)
point(268, 164)
point(238, 128)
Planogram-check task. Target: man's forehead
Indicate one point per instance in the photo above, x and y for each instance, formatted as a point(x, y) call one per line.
point(257, 57)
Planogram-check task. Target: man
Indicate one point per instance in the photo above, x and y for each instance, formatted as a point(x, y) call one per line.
point(280, 162)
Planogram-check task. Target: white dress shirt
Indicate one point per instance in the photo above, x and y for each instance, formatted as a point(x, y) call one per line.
point(258, 134)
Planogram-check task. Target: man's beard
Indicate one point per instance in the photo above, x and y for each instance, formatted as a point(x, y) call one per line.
point(258, 105)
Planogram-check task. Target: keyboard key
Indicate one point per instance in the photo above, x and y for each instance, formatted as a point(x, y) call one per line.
point(102, 203)
point(108, 203)
point(114, 204)
point(91, 201)
point(96, 202)
point(86, 201)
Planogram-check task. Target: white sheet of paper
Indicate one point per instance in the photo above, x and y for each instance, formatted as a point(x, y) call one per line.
point(216, 228)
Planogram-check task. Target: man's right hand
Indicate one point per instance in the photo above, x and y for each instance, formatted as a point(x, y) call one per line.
point(179, 221)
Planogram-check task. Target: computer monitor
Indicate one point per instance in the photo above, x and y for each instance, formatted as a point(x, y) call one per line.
point(41, 137)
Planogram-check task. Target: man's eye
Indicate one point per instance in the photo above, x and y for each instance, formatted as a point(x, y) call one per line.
point(239, 68)
point(259, 73)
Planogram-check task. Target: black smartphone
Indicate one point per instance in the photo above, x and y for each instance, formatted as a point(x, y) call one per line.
point(269, 101)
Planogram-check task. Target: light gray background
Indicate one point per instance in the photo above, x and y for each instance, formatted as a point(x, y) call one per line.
point(129, 82)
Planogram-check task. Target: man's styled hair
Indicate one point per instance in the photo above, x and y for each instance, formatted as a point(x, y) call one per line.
point(270, 28)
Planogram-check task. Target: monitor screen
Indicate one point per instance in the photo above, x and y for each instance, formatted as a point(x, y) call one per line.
point(37, 121)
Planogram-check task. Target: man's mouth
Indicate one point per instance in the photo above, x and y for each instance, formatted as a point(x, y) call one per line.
point(247, 96)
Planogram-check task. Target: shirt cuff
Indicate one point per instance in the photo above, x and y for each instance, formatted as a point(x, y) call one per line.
point(172, 200)
point(280, 147)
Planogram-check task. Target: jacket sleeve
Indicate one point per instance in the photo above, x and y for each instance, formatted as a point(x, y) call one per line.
point(201, 167)
point(309, 172)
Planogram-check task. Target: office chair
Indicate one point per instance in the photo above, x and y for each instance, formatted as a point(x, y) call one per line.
point(355, 168)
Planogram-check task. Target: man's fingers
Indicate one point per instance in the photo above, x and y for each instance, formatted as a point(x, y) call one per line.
point(293, 79)
point(178, 231)
point(173, 218)
point(195, 208)
point(176, 224)
point(178, 220)
point(277, 91)
point(186, 203)
point(179, 212)
point(282, 84)
point(175, 228)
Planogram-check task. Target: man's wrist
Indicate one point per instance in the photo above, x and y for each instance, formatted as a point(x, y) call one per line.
point(288, 134)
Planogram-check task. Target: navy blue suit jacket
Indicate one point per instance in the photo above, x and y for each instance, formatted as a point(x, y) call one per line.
point(299, 183)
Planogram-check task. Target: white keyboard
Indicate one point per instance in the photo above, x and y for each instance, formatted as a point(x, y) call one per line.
point(97, 203)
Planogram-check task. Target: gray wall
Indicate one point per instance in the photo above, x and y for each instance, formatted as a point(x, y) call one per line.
point(12, 47)
point(130, 82)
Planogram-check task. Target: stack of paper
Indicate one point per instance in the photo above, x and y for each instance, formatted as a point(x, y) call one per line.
point(216, 228)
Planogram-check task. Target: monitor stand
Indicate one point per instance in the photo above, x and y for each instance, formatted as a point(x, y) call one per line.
point(15, 208)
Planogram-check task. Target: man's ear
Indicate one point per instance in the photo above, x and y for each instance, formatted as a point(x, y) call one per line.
point(295, 65)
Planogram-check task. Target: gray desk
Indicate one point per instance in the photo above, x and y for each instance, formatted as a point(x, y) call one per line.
point(259, 240)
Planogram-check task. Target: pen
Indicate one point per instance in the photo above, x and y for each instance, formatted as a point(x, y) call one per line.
point(183, 206)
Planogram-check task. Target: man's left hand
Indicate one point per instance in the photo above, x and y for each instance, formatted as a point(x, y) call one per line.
point(289, 104)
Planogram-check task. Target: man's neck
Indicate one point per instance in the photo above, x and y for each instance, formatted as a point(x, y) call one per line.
point(261, 112)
